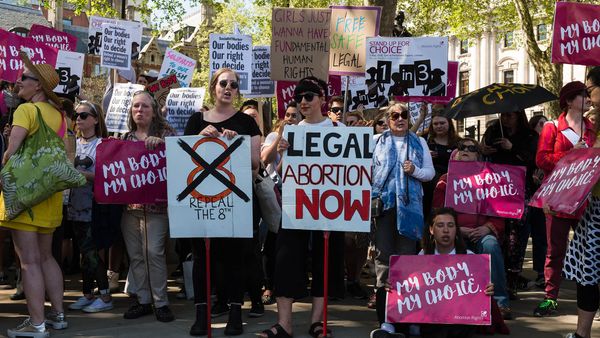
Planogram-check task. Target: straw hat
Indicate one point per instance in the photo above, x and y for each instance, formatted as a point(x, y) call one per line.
point(47, 76)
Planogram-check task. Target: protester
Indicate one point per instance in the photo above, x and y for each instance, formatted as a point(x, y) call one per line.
point(292, 245)
point(147, 77)
point(570, 131)
point(32, 237)
point(582, 262)
point(336, 109)
point(482, 234)
point(223, 121)
point(354, 117)
point(592, 115)
point(380, 124)
point(146, 227)
point(90, 130)
point(401, 163)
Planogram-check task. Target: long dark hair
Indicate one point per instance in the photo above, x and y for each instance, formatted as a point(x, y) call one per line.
point(428, 242)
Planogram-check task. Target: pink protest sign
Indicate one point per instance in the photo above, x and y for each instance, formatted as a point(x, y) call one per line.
point(127, 173)
point(439, 289)
point(285, 93)
point(10, 62)
point(450, 89)
point(486, 188)
point(576, 37)
point(54, 38)
point(569, 184)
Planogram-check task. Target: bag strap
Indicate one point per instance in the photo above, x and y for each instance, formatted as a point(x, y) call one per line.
point(63, 127)
point(568, 133)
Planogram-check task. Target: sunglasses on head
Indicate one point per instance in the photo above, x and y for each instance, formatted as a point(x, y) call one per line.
point(336, 110)
point(395, 116)
point(232, 84)
point(84, 115)
point(308, 96)
point(25, 77)
point(380, 123)
point(470, 148)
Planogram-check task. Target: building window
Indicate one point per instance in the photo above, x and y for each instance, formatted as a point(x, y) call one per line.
point(464, 46)
point(460, 125)
point(509, 40)
point(542, 32)
point(67, 22)
point(152, 58)
point(463, 82)
point(509, 76)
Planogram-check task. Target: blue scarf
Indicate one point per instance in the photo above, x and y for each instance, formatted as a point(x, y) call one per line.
point(409, 214)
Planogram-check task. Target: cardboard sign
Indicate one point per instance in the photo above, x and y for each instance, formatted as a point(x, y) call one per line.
point(160, 88)
point(232, 51)
point(119, 44)
point(127, 173)
point(300, 43)
point(178, 64)
point(69, 66)
point(576, 34)
point(285, 93)
point(327, 178)
point(181, 104)
point(401, 67)
point(120, 104)
point(440, 289)
point(414, 110)
point(209, 186)
point(357, 92)
point(96, 32)
point(349, 28)
point(262, 85)
point(486, 188)
point(54, 38)
point(571, 181)
point(11, 64)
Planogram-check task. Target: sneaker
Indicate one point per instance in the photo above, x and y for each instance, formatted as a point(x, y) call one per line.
point(137, 310)
point(597, 316)
point(219, 309)
point(57, 320)
point(81, 303)
point(356, 291)
point(164, 314)
point(113, 281)
point(98, 306)
point(18, 295)
point(381, 333)
point(573, 335)
point(257, 310)
point(27, 329)
point(372, 303)
point(547, 307)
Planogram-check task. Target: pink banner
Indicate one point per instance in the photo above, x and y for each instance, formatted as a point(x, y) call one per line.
point(54, 38)
point(440, 289)
point(128, 173)
point(285, 93)
point(576, 37)
point(11, 64)
point(450, 89)
point(569, 184)
point(486, 188)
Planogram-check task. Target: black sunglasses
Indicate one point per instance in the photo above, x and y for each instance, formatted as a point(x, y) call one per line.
point(83, 115)
point(395, 116)
point(232, 84)
point(380, 123)
point(308, 96)
point(25, 77)
point(470, 148)
point(336, 110)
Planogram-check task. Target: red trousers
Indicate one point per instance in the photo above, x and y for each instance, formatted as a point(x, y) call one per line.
point(557, 237)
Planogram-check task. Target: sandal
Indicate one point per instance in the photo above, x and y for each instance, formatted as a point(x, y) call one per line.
point(316, 331)
point(279, 332)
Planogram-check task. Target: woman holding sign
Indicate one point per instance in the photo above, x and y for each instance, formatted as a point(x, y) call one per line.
point(146, 227)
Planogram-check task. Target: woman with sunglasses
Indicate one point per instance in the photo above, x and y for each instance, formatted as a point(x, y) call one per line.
point(223, 120)
point(401, 162)
point(91, 129)
point(483, 234)
point(292, 245)
point(146, 227)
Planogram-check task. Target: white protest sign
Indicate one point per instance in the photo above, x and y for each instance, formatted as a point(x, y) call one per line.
point(327, 178)
point(262, 85)
point(235, 52)
point(181, 104)
point(410, 67)
point(357, 91)
point(118, 109)
point(414, 109)
point(95, 34)
point(119, 44)
point(178, 64)
point(69, 66)
point(209, 186)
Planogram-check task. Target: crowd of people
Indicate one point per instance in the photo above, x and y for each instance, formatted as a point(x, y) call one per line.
point(409, 178)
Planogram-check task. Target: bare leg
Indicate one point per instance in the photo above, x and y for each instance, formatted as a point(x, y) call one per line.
point(584, 323)
point(53, 277)
point(317, 309)
point(28, 250)
point(284, 314)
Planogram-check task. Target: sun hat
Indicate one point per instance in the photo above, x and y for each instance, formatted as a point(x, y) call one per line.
point(46, 75)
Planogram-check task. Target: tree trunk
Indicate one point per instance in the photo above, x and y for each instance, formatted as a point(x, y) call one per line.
point(388, 13)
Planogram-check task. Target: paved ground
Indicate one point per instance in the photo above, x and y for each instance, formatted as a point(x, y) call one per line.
point(349, 318)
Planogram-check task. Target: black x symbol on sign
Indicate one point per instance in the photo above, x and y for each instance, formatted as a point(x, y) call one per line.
point(210, 169)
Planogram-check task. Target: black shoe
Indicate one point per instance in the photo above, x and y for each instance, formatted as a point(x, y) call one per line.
point(234, 323)
point(356, 291)
point(257, 310)
point(137, 310)
point(219, 309)
point(200, 327)
point(18, 296)
point(164, 314)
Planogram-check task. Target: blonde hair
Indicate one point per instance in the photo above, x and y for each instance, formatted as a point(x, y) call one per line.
point(213, 81)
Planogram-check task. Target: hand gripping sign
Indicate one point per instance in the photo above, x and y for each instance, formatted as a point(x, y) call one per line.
point(209, 186)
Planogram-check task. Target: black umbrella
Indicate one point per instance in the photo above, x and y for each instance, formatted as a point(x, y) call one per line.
point(497, 98)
